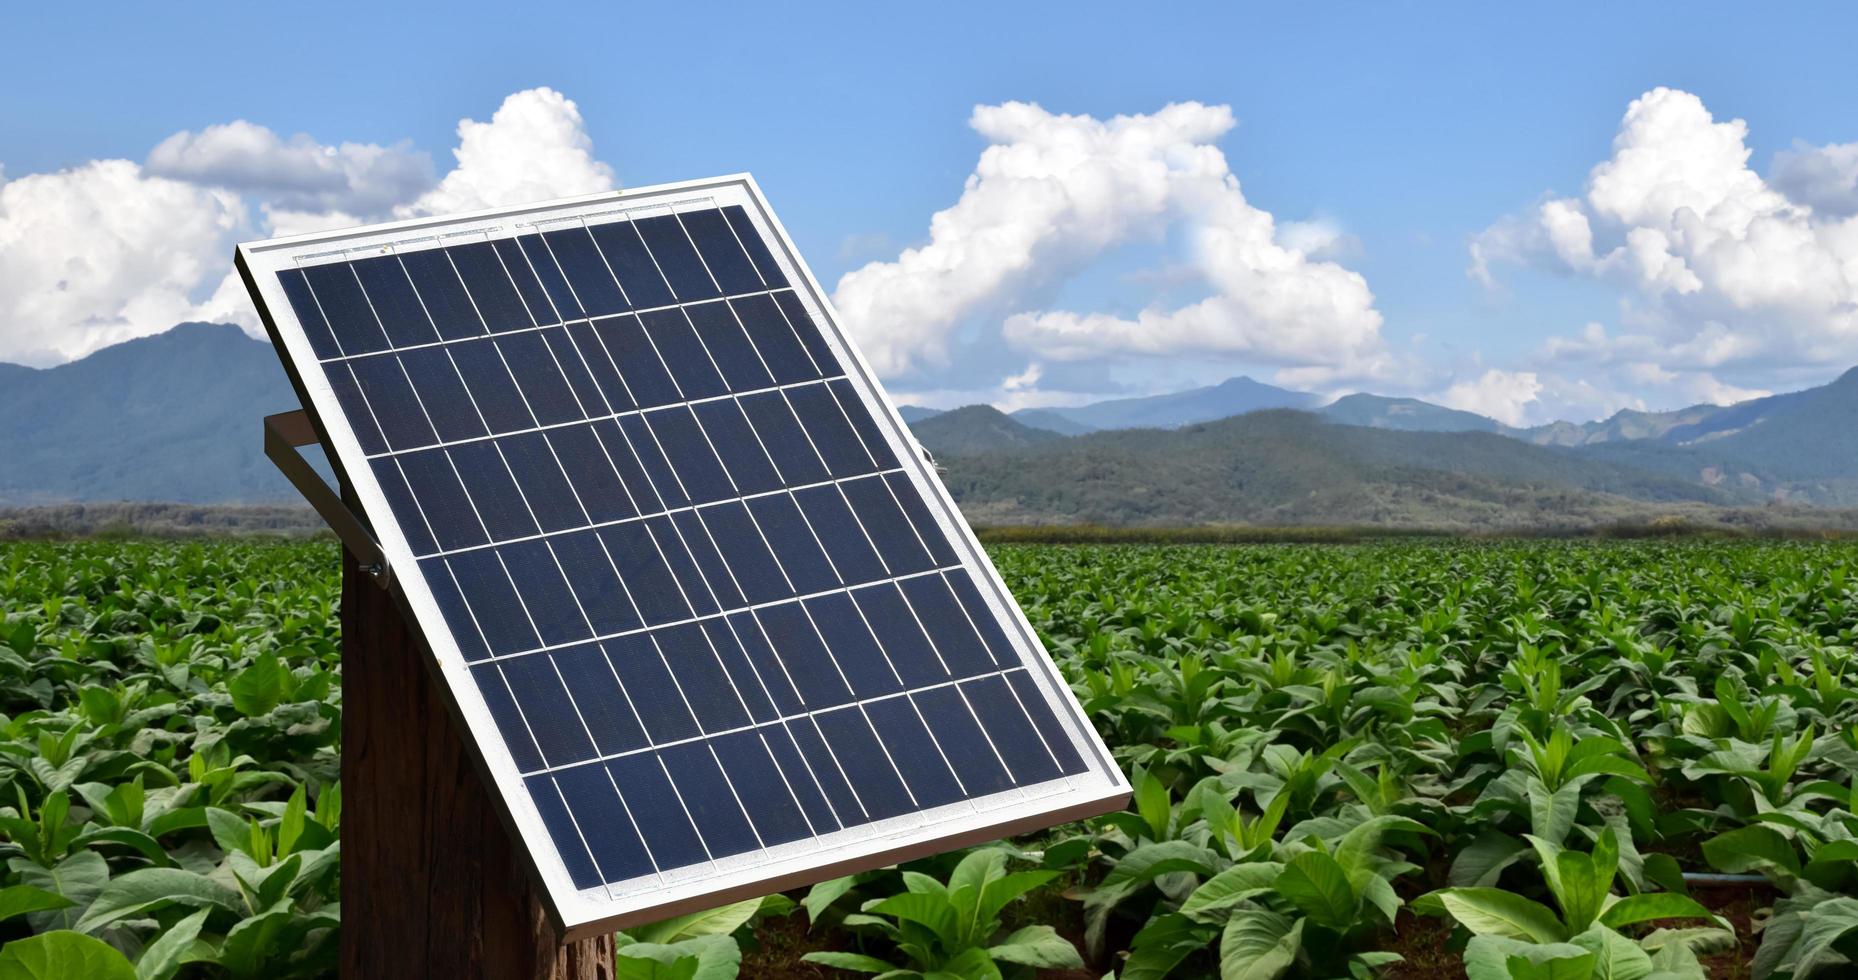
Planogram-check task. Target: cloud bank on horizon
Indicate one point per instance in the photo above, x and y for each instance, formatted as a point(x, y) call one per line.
point(1717, 268)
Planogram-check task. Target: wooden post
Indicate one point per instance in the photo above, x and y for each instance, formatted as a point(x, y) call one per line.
point(431, 885)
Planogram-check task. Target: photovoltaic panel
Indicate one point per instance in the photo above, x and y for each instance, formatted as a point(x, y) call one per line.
point(712, 622)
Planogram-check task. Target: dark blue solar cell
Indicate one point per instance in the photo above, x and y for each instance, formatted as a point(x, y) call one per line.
point(542, 265)
point(963, 584)
point(441, 498)
point(755, 570)
point(700, 675)
point(926, 527)
point(915, 752)
point(545, 593)
point(619, 452)
point(355, 408)
point(646, 380)
point(683, 567)
point(1041, 714)
point(757, 249)
point(546, 707)
point(392, 402)
point(709, 798)
point(809, 333)
point(539, 377)
point(721, 252)
point(811, 755)
point(442, 393)
point(909, 650)
point(595, 480)
point(458, 615)
point(550, 498)
point(948, 626)
point(406, 509)
point(603, 598)
point(613, 394)
point(849, 638)
point(445, 299)
point(395, 304)
point(832, 435)
point(962, 741)
point(632, 265)
point(774, 339)
point(676, 258)
point(886, 524)
point(698, 470)
point(655, 807)
point(536, 302)
point(803, 656)
point(783, 438)
point(604, 823)
point(303, 303)
point(857, 751)
point(729, 347)
point(644, 572)
point(492, 602)
point(651, 458)
point(586, 271)
point(1013, 733)
point(767, 665)
point(562, 832)
point(710, 562)
point(762, 788)
point(567, 356)
point(735, 442)
point(490, 286)
point(794, 546)
point(866, 426)
point(838, 530)
point(345, 309)
point(496, 497)
point(603, 704)
point(749, 685)
point(503, 710)
point(492, 388)
point(677, 344)
point(650, 687)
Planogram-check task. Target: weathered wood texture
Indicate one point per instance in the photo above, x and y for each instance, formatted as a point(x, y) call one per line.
point(431, 886)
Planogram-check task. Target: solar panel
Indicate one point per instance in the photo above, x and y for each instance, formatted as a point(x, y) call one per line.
point(711, 621)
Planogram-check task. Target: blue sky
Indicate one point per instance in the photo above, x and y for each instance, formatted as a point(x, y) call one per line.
point(1382, 142)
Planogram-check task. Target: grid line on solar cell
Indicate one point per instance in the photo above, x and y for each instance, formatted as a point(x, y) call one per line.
point(853, 453)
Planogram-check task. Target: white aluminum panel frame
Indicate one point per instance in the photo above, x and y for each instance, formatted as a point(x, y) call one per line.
point(578, 913)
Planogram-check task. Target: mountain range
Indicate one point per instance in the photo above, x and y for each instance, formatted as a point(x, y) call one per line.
point(174, 417)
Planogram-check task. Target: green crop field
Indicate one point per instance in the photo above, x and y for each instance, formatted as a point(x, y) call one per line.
point(1410, 759)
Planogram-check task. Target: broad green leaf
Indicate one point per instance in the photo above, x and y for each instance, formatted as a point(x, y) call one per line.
point(856, 962)
point(78, 878)
point(1037, 946)
point(1258, 945)
point(1491, 912)
point(260, 686)
point(165, 955)
point(63, 955)
point(930, 911)
point(701, 958)
point(821, 896)
point(1481, 864)
point(1825, 925)
point(1650, 906)
point(1210, 902)
point(1151, 801)
point(1614, 956)
point(719, 921)
point(1754, 848)
point(1162, 944)
point(149, 888)
point(21, 899)
point(1317, 885)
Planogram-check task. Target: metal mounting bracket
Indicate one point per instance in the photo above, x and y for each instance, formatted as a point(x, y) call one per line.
point(285, 432)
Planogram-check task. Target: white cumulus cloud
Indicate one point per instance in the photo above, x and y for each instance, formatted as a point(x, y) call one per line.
point(1718, 267)
point(1501, 395)
point(297, 173)
point(1053, 192)
point(112, 249)
point(535, 147)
